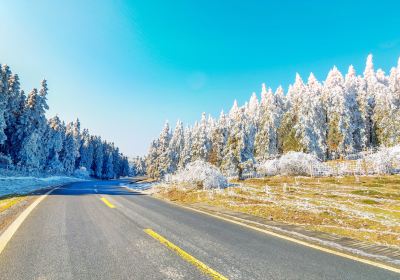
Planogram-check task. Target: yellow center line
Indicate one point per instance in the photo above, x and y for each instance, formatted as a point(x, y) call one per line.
point(106, 202)
point(186, 256)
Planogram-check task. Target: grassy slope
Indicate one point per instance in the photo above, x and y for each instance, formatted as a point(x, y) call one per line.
point(364, 208)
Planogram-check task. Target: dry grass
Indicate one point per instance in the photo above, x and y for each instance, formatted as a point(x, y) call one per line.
point(361, 207)
point(8, 201)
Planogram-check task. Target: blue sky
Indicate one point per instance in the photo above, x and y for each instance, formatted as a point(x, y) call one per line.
point(124, 67)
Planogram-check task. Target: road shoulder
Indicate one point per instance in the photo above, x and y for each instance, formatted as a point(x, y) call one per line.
point(13, 205)
point(380, 256)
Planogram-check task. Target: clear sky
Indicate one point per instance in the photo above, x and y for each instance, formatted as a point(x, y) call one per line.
point(124, 67)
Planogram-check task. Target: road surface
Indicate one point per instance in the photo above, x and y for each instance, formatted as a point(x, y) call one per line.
point(95, 230)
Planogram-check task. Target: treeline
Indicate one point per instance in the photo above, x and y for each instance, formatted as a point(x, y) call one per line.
point(31, 142)
point(341, 116)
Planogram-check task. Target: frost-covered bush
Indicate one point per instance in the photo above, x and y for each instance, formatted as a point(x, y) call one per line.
point(82, 172)
point(201, 174)
point(294, 163)
point(384, 161)
point(269, 167)
point(5, 161)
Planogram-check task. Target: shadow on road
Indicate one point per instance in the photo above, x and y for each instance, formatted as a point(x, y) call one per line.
point(112, 187)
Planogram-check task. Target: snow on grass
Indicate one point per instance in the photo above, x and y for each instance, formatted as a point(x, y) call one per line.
point(200, 174)
point(328, 204)
point(23, 185)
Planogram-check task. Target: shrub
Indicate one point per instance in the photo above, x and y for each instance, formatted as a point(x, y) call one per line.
point(199, 173)
point(81, 173)
point(295, 164)
point(384, 161)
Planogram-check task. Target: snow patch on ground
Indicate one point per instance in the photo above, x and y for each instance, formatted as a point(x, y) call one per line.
point(23, 185)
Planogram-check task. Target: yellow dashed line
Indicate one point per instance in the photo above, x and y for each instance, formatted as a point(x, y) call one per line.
point(186, 256)
point(106, 202)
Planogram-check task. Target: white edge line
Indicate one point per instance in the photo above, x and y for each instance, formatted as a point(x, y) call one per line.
point(304, 243)
point(10, 231)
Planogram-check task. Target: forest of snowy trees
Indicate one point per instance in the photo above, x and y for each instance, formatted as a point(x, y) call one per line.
point(30, 142)
point(338, 117)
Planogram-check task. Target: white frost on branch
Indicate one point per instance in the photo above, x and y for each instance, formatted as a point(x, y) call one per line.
point(294, 163)
point(199, 173)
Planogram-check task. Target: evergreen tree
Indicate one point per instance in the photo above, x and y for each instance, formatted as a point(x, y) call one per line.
point(54, 140)
point(176, 146)
point(201, 145)
point(86, 151)
point(69, 154)
point(97, 165)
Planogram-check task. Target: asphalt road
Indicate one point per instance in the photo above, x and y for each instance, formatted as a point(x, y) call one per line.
point(73, 234)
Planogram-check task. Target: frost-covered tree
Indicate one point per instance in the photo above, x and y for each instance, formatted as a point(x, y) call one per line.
point(86, 151)
point(186, 154)
point(76, 133)
point(340, 129)
point(97, 164)
point(152, 160)
point(163, 151)
point(69, 153)
point(31, 127)
point(367, 102)
point(108, 164)
point(200, 143)
point(270, 114)
point(289, 132)
point(31, 142)
point(331, 119)
point(4, 97)
point(219, 137)
point(311, 125)
point(54, 139)
point(176, 146)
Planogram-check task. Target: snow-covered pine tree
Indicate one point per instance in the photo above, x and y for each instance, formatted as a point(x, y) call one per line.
point(201, 144)
point(86, 151)
point(125, 169)
point(19, 129)
point(42, 124)
point(278, 112)
point(69, 154)
point(4, 97)
point(237, 148)
point(186, 153)
point(218, 139)
point(108, 165)
point(152, 167)
point(163, 152)
point(289, 137)
point(97, 165)
point(311, 126)
point(392, 128)
point(76, 133)
point(54, 139)
point(353, 89)
point(340, 131)
point(367, 102)
point(117, 160)
point(31, 129)
point(382, 114)
point(265, 125)
point(176, 146)
point(13, 110)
